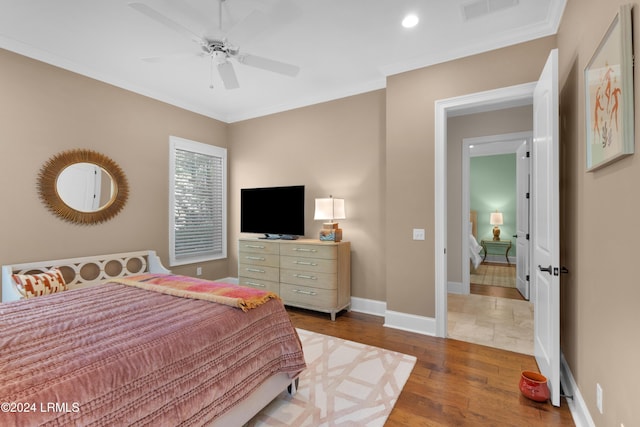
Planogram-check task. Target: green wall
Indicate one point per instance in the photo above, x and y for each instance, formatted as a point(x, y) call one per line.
point(492, 185)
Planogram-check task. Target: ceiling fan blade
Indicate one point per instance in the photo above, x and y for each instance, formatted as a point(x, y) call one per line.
point(269, 65)
point(228, 75)
point(167, 22)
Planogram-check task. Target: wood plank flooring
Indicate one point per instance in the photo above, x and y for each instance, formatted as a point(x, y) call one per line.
point(496, 291)
point(454, 383)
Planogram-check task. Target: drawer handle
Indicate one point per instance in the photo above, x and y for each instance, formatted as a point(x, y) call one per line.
point(260, 285)
point(304, 250)
point(305, 276)
point(255, 270)
point(256, 258)
point(300, 291)
point(254, 246)
point(313, 264)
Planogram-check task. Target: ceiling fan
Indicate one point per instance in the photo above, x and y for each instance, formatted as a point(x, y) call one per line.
point(219, 49)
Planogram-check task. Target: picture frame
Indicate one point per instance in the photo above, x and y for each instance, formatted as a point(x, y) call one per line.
point(609, 97)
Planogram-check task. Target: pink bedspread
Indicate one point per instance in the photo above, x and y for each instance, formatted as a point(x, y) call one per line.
point(119, 355)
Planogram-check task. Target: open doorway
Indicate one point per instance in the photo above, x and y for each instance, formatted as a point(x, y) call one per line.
point(449, 251)
point(495, 179)
point(493, 312)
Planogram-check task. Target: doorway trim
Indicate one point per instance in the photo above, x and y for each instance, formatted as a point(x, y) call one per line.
point(491, 100)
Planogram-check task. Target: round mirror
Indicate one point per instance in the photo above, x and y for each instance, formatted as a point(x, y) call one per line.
point(83, 186)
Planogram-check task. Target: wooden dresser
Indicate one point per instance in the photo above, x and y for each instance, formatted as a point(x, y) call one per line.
point(305, 273)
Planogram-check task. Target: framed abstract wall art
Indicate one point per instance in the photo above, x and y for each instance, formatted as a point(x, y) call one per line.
point(609, 95)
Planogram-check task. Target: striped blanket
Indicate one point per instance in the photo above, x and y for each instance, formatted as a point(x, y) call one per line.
point(242, 297)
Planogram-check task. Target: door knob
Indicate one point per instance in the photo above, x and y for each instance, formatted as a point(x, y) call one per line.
point(547, 269)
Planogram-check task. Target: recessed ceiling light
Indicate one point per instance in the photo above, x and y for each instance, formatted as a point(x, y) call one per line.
point(410, 21)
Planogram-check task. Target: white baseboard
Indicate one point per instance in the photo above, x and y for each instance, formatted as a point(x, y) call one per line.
point(368, 306)
point(576, 404)
point(456, 288)
point(500, 259)
point(395, 319)
point(410, 322)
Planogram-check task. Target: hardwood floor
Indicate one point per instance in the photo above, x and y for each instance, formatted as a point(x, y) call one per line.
point(454, 383)
point(496, 291)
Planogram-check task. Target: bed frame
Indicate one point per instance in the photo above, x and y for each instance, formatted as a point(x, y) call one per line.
point(93, 270)
point(85, 271)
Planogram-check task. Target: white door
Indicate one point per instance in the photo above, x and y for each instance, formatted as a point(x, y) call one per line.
point(545, 247)
point(523, 166)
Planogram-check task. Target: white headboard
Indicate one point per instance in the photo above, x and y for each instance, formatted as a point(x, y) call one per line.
point(85, 271)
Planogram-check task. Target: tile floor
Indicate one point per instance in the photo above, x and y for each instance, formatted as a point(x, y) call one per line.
point(496, 322)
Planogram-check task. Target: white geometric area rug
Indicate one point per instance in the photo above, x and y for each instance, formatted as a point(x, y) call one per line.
point(345, 384)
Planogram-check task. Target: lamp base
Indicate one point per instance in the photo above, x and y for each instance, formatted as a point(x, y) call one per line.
point(330, 232)
point(496, 233)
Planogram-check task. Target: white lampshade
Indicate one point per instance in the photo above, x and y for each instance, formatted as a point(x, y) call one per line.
point(329, 209)
point(496, 218)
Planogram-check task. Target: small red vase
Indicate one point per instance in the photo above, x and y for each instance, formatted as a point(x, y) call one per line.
point(534, 386)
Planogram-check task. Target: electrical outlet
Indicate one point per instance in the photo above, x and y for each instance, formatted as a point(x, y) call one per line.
point(198, 271)
point(599, 397)
point(418, 234)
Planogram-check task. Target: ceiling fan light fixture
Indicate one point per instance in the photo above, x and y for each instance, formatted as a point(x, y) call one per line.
point(410, 21)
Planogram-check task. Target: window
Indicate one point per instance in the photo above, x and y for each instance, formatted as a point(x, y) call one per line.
point(197, 202)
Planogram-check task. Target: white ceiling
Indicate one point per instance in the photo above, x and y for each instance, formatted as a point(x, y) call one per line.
point(343, 47)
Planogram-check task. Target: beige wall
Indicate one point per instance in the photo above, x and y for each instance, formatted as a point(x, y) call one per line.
point(45, 110)
point(410, 158)
point(332, 148)
point(600, 295)
point(499, 122)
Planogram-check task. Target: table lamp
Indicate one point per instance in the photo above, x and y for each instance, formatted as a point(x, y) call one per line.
point(496, 220)
point(330, 209)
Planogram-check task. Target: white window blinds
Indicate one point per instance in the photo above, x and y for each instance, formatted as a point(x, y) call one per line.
point(198, 208)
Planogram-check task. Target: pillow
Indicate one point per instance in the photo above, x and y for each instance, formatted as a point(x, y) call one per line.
point(33, 285)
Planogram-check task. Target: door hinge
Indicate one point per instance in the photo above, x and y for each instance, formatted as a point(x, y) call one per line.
point(528, 154)
point(527, 278)
point(527, 236)
point(528, 195)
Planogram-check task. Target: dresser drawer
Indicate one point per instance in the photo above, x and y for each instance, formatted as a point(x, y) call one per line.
point(315, 265)
point(257, 246)
point(265, 285)
point(266, 259)
point(309, 251)
point(309, 297)
point(259, 272)
point(311, 279)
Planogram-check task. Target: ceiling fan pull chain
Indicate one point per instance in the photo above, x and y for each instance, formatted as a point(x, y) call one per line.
point(211, 73)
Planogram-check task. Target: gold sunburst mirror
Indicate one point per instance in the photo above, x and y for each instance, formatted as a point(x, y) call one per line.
point(83, 186)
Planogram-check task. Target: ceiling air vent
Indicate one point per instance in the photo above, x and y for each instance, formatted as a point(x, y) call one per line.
point(476, 9)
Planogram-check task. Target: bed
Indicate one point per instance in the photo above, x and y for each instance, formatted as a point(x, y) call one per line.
point(474, 247)
point(110, 351)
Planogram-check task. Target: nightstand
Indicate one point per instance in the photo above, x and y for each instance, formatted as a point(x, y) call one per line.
point(501, 245)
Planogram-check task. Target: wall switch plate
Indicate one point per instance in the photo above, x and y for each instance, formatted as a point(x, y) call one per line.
point(599, 397)
point(418, 234)
point(198, 271)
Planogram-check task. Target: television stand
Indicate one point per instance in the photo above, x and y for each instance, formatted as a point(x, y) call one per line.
point(305, 273)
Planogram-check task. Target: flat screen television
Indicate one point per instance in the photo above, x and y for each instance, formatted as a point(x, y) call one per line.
point(276, 212)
